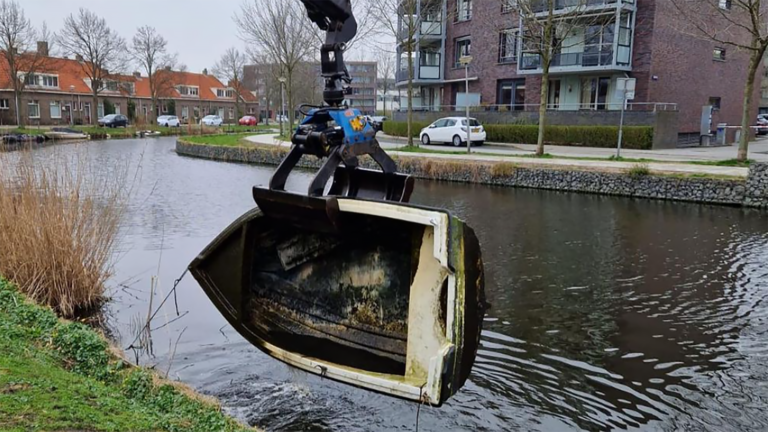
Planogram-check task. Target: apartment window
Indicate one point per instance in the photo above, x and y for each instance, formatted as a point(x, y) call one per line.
point(231, 113)
point(463, 48)
point(508, 5)
point(100, 110)
point(718, 54)
point(594, 93)
point(4, 104)
point(112, 85)
point(715, 102)
point(185, 112)
point(33, 108)
point(117, 108)
point(725, 4)
point(56, 110)
point(510, 94)
point(165, 109)
point(463, 10)
point(508, 46)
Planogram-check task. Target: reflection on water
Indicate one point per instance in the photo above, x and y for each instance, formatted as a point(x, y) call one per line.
point(608, 313)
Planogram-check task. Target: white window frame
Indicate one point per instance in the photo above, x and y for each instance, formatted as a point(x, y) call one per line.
point(508, 45)
point(463, 10)
point(42, 80)
point(224, 93)
point(56, 104)
point(4, 104)
point(29, 110)
point(457, 54)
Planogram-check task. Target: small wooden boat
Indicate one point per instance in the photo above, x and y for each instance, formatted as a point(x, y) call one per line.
point(66, 134)
point(383, 296)
point(148, 134)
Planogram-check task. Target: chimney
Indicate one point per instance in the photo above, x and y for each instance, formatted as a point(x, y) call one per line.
point(168, 68)
point(205, 71)
point(42, 48)
point(137, 75)
point(79, 58)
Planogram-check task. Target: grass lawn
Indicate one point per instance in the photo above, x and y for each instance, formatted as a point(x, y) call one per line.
point(224, 140)
point(58, 376)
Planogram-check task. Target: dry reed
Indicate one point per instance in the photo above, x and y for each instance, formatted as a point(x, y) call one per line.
point(59, 222)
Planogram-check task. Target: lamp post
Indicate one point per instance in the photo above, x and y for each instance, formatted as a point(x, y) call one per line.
point(466, 60)
point(282, 96)
point(72, 106)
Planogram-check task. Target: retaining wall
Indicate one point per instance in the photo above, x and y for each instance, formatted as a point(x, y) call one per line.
point(752, 192)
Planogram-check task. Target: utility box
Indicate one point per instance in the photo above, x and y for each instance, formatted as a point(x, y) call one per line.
point(722, 134)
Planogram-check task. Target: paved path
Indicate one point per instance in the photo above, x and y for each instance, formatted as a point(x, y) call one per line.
point(509, 156)
point(758, 151)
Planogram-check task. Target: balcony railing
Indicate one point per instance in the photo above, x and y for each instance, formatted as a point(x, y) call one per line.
point(427, 72)
point(543, 5)
point(532, 61)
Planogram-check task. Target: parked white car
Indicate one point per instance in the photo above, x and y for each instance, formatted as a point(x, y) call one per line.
point(453, 130)
point(211, 120)
point(168, 121)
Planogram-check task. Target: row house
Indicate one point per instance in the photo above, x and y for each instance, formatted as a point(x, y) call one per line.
point(59, 93)
point(611, 39)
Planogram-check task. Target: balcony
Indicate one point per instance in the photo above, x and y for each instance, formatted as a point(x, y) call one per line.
point(420, 74)
point(540, 7)
point(532, 61)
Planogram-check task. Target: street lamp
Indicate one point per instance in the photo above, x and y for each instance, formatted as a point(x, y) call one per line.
point(282, 88)
point(466, 60)
point(72, 106)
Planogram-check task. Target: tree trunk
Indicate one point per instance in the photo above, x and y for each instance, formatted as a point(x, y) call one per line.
point(289, 102)
point(546, 61)
point(543, 108)
point(95, 108)
point(18, 104)
point(410, 94)
point(746, 117)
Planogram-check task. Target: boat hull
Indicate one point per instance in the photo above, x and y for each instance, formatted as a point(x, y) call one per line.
point(387, 297)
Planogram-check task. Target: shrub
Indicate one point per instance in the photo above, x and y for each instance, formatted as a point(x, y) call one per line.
point(400, 129)
point(635, 137)
point(59, 221)
point(639, 170)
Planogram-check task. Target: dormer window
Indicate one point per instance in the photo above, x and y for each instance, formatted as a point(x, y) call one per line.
point(188, 90)
point(225, 93)
point(42, 80)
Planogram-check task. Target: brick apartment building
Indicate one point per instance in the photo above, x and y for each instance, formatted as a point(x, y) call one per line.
point(632, 38)
point(308, 86)
point(59, 94)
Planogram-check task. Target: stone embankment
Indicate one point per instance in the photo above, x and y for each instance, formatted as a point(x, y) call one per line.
point(749, 192)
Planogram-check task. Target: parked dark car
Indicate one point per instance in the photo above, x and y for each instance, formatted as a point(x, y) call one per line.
point(114, 120)
point(762, 124)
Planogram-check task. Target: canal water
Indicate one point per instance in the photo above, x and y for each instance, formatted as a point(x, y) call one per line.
point(607, 313)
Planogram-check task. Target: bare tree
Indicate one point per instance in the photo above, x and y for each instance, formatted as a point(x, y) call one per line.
point(17, 43)
point(229, 69)
point(386, 67)
point(280, 31)
point(548, 28)
point(86, 36)
point(740, 24)
point(404, 20)
point(149, 50)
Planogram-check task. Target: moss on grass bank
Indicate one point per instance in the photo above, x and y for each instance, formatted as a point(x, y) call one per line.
point(57, 376)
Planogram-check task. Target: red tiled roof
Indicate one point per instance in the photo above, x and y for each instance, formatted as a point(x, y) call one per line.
point(73, 79)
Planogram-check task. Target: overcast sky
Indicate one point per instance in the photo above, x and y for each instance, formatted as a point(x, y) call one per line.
point(198, 30)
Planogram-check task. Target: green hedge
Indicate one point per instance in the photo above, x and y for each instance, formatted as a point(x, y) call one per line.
point(635, 137)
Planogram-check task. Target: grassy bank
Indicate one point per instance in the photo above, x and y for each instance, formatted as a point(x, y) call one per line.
point(130, 132)
point(57, 375)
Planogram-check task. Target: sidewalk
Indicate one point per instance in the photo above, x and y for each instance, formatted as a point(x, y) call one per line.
point(591, 165)
point(758, 150)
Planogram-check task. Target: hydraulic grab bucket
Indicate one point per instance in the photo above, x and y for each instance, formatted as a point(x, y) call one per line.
point(348, 281)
